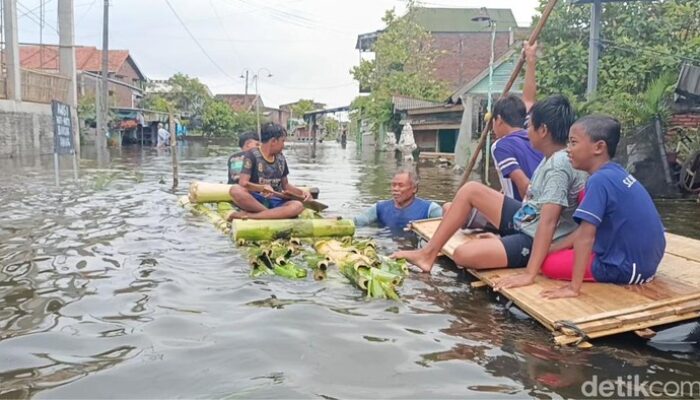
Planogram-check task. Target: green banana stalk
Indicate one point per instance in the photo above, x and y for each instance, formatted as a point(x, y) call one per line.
point(290, 271)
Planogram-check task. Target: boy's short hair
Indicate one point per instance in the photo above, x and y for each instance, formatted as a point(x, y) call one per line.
point(555, 112)
point(602, 127)
point(511, 109)
point(270, 131)
point(245, 137)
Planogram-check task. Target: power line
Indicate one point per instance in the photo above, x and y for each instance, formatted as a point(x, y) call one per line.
point(223, 28)
point(194, 39)
point(647, 50)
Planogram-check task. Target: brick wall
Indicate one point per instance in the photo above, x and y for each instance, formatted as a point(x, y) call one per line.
point(25, 129)
point(688, 120)
point(464, 55)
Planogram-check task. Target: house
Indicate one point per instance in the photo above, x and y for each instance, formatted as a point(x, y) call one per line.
point(463, 45)
point(126, 81)
point(437, 127)
point(250, 102)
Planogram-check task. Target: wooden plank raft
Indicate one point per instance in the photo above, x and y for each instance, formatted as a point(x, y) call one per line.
point(602, 309)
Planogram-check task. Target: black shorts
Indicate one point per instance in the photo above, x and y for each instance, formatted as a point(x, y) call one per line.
point(517, 244)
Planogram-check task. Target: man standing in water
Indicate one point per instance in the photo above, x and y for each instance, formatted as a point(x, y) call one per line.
point(163, 136)
point(265, 173)
point(404, 206)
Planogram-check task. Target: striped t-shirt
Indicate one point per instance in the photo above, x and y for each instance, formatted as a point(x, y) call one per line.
point(512, 152)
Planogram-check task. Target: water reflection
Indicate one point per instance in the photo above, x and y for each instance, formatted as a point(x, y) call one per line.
point(109, 271)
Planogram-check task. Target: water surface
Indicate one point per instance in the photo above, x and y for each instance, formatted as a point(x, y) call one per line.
point(109, 289)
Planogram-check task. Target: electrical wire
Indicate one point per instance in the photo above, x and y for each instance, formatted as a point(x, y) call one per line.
point(194, 39)
point(609, 43)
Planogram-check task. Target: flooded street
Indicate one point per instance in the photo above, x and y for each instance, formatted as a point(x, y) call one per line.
point(109, 289)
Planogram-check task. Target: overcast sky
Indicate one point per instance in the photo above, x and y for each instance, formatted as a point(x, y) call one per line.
point(307, 45)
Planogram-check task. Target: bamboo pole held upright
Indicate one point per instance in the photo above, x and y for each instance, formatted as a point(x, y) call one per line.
point(513, 76)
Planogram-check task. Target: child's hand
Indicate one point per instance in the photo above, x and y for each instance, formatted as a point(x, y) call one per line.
point(530, 52)
point(514, 281)
point(560, 292)
point(307, 196)
point(267, 191)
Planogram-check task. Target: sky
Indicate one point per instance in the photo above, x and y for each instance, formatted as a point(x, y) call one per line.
point(308, 46)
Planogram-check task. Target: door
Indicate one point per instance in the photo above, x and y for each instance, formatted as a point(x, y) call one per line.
point(447, 139)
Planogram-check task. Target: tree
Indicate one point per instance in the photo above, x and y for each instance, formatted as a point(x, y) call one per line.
point(301, 107)
point(641, 42)
point(218, 119)
point(156, 102)
point(331, 126)
point(403, 65)
point(244, 121)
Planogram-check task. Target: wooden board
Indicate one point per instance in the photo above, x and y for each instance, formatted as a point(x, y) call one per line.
point(602, 309)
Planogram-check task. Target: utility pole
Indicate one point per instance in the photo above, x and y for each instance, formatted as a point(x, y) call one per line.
point(103, 98)
point(257, 103)
point(594, 48)
point(246, 85)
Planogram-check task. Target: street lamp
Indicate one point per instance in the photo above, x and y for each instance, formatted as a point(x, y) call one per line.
point(485, 17)
point(256, 77)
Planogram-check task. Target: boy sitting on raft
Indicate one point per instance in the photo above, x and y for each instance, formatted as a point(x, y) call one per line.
point(620, 238)
point(264, 173)
point(247, 141)
point(527, 229)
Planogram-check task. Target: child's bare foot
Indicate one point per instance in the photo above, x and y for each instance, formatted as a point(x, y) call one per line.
point(237, 215)
point(420, 258)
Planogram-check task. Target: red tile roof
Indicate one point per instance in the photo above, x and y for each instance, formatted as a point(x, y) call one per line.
point(86, 58)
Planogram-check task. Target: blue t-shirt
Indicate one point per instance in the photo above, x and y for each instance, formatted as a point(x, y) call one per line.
point(629, 241)
point(512, 152)
point(386, 214)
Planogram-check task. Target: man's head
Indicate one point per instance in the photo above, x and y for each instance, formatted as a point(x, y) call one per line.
point(549, 122)
point(593, 140)
point(509, 113)
point(404, 186)
point(247, 140)
point(160, 126)
point(273, 135)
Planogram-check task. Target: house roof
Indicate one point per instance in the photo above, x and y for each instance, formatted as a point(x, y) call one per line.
point(502, 69)
point(86, 59)
point(449, 20)
point(240, 102)
point(460, 19)
point(403, 103)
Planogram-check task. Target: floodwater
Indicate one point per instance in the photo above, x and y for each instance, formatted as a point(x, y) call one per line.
point(109, 289)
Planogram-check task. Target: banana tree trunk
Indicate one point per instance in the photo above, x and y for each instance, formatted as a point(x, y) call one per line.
point(260, 230)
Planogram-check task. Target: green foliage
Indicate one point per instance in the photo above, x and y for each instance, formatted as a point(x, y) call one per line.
point(244, 121)
point(157, 102)
point(218, 119)
point(302, 106)
point(87, 110)
point(403, 65)
point(188, 95)
point(643, 44)
point(332, 127)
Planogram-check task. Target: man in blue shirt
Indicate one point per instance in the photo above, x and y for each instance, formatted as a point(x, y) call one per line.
point(619, 223)
point(404, 206)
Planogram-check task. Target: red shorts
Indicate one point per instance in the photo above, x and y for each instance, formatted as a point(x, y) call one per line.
point(560, 265)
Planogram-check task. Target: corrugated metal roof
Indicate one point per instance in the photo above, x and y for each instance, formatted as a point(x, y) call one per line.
point(402, 103)
point(460, 19)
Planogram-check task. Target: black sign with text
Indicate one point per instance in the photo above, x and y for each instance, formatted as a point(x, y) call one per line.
point(62, 128)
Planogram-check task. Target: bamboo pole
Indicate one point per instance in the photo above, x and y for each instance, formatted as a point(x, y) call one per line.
point(513, 76)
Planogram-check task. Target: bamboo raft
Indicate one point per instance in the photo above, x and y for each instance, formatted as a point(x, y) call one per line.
point(602, 309)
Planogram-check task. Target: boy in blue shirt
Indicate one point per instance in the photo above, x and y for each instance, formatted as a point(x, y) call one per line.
point(620, 238)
